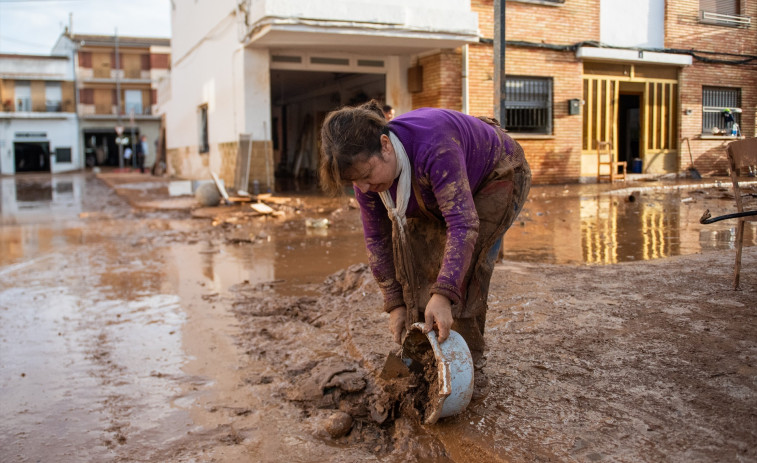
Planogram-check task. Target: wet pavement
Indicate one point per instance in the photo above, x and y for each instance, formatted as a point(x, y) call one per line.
point(116, 338)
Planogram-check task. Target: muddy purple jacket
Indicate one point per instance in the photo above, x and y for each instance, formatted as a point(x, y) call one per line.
point(451, 154)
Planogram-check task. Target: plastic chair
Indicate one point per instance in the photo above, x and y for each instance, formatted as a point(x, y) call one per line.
point(606, 157)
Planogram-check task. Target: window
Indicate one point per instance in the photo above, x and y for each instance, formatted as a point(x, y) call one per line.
point(133, 101)
point(53, 97)
point(528, 105)
point(721, 108)
point(23, 93)
point(203, 119)
point(62, 155)
point(722, 12)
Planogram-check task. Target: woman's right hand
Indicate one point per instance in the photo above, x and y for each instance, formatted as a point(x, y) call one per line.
point(397, 323)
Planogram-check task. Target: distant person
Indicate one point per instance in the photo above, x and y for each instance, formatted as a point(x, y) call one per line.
point(127, 156)
point(142, 150)
point(388, 112)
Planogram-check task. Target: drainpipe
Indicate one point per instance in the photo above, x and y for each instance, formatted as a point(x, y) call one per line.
point(466, 109)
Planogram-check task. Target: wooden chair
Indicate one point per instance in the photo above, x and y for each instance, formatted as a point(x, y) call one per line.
point(741, 154)
point(606, 158)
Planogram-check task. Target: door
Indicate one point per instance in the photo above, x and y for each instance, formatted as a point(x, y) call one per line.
point(31, 156)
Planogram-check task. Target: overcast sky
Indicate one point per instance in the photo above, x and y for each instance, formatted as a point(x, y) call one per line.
point(33, 26)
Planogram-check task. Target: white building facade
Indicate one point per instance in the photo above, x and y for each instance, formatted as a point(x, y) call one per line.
point(251, 80)
point(38, 123)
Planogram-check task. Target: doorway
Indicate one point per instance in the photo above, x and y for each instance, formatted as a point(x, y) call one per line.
point(301, 99)
point(629, 127)
point(32, 156)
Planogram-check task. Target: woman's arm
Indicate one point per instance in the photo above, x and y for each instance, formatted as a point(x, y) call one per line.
point(449, 182)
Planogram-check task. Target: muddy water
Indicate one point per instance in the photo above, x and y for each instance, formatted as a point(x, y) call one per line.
point(115, 343)
point(566, 225)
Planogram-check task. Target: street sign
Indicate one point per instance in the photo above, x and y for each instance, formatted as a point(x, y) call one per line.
point(119, 130)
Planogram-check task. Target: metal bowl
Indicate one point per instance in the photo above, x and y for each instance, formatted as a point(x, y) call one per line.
point(454, 366)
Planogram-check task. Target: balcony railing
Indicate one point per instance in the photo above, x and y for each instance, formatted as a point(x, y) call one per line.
point(725, 19)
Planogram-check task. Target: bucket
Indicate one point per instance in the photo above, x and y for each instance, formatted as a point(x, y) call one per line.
point(636, 166)
point(454, 365)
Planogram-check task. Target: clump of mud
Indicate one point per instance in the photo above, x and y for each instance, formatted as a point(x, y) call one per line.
point(323, 367)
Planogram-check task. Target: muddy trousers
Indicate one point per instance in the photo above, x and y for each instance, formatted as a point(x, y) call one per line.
point(498, 202)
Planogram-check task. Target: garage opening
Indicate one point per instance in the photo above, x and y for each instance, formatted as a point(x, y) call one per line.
point(32, 156)
point(101, 146)
point(300, 102)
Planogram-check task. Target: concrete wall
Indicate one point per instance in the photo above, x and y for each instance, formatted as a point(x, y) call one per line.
point(61, 132)
point(640, 23)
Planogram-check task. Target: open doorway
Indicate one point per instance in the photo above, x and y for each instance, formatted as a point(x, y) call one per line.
point(32, 156)
point(300, 102)
point(629, 127)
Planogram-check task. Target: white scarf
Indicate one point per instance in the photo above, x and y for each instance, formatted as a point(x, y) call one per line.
point(397, 214)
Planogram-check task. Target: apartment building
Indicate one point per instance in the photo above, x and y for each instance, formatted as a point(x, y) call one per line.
point(251, 81)
point(116, 80)
point(38, 122)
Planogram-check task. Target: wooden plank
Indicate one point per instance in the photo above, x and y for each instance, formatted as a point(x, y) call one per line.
point(654, 109)
point(590, 113)
point(614, 121)
point(663, 113)
point(671, 122)
point(646, 117)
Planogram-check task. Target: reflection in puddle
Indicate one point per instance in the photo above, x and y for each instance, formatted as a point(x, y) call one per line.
point(607, 229)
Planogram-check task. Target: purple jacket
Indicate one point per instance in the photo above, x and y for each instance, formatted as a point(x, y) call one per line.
point(451, 154)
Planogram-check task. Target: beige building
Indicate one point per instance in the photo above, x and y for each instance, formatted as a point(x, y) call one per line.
point(116, 81)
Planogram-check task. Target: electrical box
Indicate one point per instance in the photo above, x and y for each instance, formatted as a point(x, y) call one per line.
point(574, 106)
point(415, 79)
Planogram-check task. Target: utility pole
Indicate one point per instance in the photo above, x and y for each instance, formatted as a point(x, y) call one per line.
point(500, 90)
point(118, 105)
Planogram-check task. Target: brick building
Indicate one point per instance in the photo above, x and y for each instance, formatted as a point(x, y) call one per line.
point(257, 78)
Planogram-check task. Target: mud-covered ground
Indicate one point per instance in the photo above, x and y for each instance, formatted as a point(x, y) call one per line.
point(638, 361)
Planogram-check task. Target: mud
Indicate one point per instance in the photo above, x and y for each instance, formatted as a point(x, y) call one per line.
point(143, 333)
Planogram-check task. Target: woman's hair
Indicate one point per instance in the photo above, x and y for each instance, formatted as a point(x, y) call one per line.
point(349, 135)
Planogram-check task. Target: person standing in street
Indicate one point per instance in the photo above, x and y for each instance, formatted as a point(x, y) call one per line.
point(141, 153)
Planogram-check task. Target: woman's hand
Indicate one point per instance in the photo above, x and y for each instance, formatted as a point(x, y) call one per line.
point(397, 323)
point(439, 313)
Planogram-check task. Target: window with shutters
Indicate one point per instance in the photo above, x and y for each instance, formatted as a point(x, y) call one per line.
point(23, 93)
point(722, 12)
point(721, 108)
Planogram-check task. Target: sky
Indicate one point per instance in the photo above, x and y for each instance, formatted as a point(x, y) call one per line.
point(33, 26)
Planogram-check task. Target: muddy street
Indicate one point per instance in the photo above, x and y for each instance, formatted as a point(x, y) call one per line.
point(135, 326)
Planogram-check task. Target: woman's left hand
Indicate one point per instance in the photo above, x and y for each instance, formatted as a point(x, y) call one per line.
point(439, 312)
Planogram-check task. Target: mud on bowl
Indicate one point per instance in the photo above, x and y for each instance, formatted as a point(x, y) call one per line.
point(447, 366)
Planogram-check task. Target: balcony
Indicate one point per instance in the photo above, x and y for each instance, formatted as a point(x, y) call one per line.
point(733, 20)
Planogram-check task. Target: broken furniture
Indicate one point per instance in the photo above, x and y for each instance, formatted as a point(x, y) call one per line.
point(606, 157)
point(741, 154)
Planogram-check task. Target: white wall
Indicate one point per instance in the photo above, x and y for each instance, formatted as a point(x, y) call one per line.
point(61, 132)
point(637, 23)
point(36, 68)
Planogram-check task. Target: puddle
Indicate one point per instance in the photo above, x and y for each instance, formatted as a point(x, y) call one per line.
point(608, 229)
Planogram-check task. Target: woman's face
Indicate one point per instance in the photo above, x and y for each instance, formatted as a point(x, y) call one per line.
point(377, 173)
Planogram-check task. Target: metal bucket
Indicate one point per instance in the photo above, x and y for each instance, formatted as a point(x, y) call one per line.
point(454, 366)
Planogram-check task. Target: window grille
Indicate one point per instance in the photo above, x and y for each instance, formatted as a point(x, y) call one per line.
point(528, 105)
point(715, 102)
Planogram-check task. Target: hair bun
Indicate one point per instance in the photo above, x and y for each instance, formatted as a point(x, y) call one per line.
point(373, 106)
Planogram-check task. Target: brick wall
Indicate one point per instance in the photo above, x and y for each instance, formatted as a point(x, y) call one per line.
point(557, 158)
point(684, 31)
